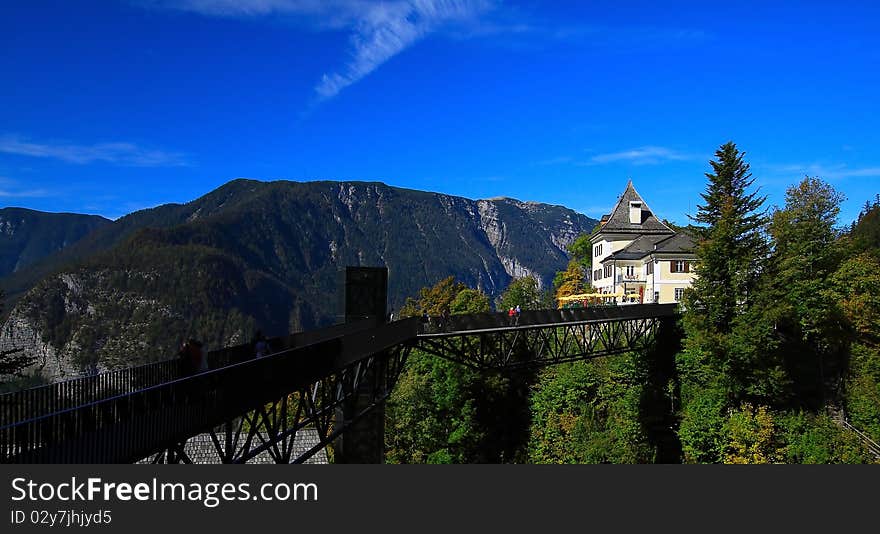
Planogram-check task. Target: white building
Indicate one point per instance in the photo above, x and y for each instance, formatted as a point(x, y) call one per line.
point(637, 255)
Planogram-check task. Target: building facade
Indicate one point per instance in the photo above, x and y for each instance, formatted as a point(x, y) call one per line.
point(637, 257)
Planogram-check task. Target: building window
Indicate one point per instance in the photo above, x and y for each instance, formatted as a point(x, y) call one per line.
point(597, 250)
point(597, 274)
point(649, 267)
point(679, 266)
point(679, 291)
point(630, 270)
point(608, 271)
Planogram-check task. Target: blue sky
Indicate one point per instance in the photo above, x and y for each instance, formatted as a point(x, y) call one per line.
point(111, 106)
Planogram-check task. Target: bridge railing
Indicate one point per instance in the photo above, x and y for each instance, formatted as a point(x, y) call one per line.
point(127, 427)
point(67, 394)
point(535, 318)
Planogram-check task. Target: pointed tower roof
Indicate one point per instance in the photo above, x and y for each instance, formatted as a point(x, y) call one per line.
point(619, 218)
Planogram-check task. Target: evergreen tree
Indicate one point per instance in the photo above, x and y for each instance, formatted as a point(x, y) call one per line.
point(731, 246)
point(731, 250)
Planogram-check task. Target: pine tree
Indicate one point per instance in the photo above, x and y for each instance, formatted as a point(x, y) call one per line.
point(731, 250)
point(731, 246)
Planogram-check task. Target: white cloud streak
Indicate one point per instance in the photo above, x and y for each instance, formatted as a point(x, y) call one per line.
point(117, 153)
point(646, 155)
point(828, 172)
point(378, 30)
point(11, 189)
point(385, 30)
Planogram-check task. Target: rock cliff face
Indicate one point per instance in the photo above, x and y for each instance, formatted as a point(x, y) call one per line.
point(267, 255)
point(27, 236)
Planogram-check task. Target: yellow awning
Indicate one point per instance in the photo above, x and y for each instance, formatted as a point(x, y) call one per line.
point(582, 296)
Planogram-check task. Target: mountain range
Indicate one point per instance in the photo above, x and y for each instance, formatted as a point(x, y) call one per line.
point(27, 236)
point(262, 255)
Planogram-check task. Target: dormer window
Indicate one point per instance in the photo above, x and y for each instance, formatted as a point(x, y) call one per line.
point(635, 212)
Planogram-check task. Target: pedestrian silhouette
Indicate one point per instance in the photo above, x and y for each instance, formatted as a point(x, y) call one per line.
point(191, 358)
point(261, 346)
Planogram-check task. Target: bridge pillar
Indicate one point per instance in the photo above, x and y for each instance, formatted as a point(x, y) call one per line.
point(363, 442)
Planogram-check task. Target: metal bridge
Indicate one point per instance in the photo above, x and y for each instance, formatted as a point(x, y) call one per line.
point(331, 381)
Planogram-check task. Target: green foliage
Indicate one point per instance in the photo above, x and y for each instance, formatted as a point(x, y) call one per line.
point(589, 412)
point(469, 301)
point(856, 285)
point(782, 332)
point(750, 436)
point(730, 247)
point(435, 300)
point(431, 415)
point(805, 254)
point(524, 292)
point(701, 430)
point(815, 439)
point(716, 366)
point(756, 435)
point(581, 251)
point(809, 333)
point(442, 412)
point(865, 232)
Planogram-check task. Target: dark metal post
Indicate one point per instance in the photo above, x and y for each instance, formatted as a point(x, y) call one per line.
point(363, 441)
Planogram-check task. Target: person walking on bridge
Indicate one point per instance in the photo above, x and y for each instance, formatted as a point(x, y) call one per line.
point(192, 360)
point(261, 346)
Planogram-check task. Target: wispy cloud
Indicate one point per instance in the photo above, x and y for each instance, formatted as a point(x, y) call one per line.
point(117, 153)
point(646, 155)
point(830, 172)
point(385, 30)
point(11, 189)
point(378, 30)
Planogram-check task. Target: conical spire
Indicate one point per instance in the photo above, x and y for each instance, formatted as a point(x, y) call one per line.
point(619, 219)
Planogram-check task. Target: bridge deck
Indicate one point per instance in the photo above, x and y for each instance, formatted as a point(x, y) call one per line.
point(126, 415)
point(130, 426)
point(482, 323)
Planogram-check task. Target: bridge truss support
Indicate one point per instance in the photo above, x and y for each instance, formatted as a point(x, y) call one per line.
point(538, 345)
point(298, 425)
